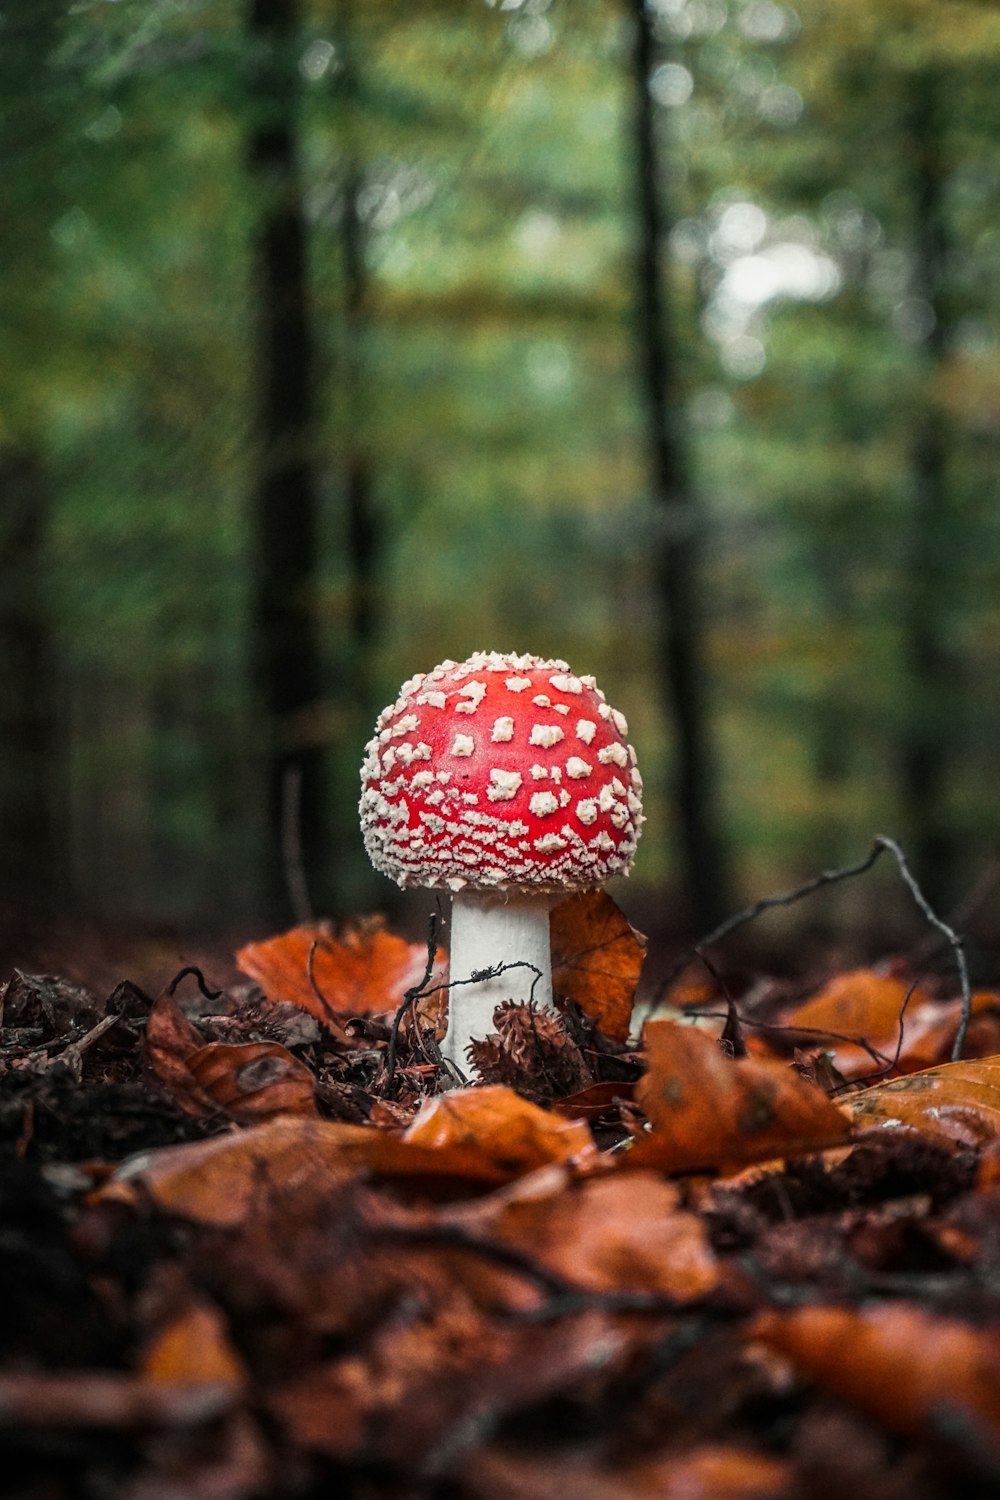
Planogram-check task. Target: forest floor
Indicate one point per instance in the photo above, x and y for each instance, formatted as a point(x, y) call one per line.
point(252, 1245)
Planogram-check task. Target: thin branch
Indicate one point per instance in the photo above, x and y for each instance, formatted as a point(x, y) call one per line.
point(194, 971)
point(881, 845)
point(948, 933)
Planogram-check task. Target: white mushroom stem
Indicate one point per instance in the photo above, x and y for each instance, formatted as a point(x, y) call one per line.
point(489, 932)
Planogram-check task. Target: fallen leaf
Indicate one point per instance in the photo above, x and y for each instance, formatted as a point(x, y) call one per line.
point(597, 959)
point(254, 1080)
point(595, 1102)
point(907, 1367)
point(709, 1111)
point(501, 1127)
point(425, 1390)
point(362, 972)
point(959, 1101)
point(863, 1003)
point(711, 1472)
point(193, 1348)
point(217, 1181)
point(170, 1040)
point(251, 1081)
point(620, 1233)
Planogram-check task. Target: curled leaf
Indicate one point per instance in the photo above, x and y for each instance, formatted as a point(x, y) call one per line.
point(597, 959)
point(513, 1134)
point(254, 1081)
point(709, 1111)
point(959, 1101)
point(218, 1181)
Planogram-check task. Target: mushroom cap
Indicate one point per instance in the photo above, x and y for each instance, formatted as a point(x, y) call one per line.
point(501, 773)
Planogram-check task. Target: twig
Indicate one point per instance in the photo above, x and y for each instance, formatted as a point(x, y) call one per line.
point(951, 936)
point(880, 846)
point(293, 864)
point(411, 996)
point(332, 1021)
point(71, 1055)
point(193, 970)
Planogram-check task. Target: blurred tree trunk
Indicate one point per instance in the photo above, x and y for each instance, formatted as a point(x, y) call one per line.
point(286, 647)
point(930, 585)
point(681, 643)
point(30, 788)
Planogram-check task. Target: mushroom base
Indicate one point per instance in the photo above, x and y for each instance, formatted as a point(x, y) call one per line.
point(490, 933)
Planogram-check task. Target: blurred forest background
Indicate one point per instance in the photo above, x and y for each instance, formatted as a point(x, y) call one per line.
point(341, 336)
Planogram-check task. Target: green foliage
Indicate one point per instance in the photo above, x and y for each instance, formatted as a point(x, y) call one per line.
point(490, 387)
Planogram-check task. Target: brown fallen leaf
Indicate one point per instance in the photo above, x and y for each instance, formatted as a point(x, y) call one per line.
point(618, 1233)
point(501, 1127)
point(708, 1111)
point(362, 972)
point(251, 1081)
point(863, 1003)
point(959, 1101)
point(169, 1041)
point(192, 1349)
point(424, 1390)
point(218, 1181)
point(907, 1367)
point(597, 959)
point(708, 1473)
point(254, 1080)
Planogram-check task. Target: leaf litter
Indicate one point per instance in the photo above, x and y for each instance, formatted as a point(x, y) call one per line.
point(253, 1244)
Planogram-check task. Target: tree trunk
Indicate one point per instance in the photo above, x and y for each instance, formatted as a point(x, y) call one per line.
point(30, 794)
point(931, 671)
point(286, 646)
point(681, 646)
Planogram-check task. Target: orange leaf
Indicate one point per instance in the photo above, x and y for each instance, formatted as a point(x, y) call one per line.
point(193, 1349)
point(607, 1233)
point(170, 1040)
point(254, 1080)
point(959, 1101)
point(365, 971)
point(505, 1129)
point(905, 1366)
point(596, 959)
point(218, 1181)
point(708, 1111)
point(707, 1473)
point(863, 1003)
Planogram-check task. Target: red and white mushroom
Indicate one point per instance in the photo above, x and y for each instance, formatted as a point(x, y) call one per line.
point(510, 782)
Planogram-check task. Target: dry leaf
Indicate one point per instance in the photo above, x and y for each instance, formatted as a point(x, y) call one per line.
point(364, 971)
point(907, 1367)
point(596, 959)
point(426, 1388)
point(959, 1101)
point(863, 1003)
point(193, 1348)
point(708, 1111)
point(218, 1181)
point(170, 1040)
point(255, 1080)
point(620, 1233)
point(708, 1473)
point(251, 1081)
point(494, 1122)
